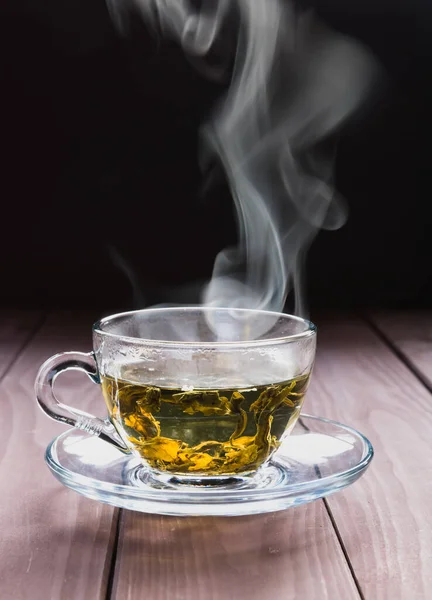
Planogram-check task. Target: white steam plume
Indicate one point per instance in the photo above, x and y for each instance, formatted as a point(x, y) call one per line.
point(293, 81)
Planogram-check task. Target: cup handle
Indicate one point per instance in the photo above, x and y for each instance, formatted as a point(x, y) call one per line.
point(77, 361)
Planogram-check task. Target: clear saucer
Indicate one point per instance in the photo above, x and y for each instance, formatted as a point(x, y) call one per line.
point(319, 458)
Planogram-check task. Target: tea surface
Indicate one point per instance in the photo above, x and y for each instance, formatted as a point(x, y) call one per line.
point(204, 431)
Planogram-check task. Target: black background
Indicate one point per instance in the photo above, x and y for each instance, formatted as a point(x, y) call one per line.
point(99, 159)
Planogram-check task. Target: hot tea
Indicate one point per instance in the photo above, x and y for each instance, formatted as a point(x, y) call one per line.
point(193, 431)
point(192, 391)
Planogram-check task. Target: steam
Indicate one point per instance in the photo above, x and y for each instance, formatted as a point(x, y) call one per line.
point(293, 82)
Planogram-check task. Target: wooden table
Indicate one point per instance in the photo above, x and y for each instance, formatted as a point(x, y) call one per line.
point(372, 541)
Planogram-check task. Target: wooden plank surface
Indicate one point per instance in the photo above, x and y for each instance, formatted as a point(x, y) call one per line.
point(385, 520)
point(411, 334)
point(57, 545)
point(16, 326)
point(54, 544)
point(280, 556)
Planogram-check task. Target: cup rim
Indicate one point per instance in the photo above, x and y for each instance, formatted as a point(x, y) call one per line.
point(310, 329)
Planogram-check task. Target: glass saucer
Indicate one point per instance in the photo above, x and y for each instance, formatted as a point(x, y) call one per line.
point(319, 458)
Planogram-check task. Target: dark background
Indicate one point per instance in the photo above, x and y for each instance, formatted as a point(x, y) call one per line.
point(99, 164)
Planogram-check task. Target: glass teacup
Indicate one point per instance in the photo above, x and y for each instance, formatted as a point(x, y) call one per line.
point(198, 394)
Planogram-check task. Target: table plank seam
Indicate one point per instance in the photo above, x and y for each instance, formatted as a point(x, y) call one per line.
point(27, 340)
point(343, 549)
point(110, 590)
point(397, 351)
point(337, 532)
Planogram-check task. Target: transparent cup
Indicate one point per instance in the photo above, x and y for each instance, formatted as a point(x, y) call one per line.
point(200, 395)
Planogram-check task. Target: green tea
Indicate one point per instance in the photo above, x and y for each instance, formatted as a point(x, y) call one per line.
point(204, 431)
